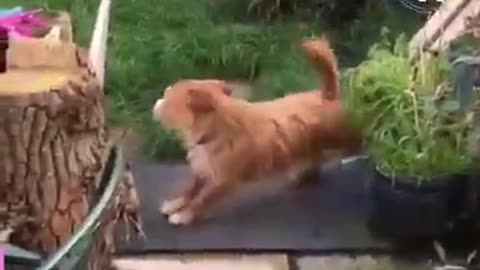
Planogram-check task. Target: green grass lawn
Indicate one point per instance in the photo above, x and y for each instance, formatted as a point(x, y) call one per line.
point(154, 43)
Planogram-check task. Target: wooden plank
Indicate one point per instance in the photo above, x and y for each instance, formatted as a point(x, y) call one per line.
point(444, 26)
point(440, 20)
point(98, 44)
point(458, 26)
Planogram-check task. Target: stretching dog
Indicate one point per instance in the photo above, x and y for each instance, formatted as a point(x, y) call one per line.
point(231, 141)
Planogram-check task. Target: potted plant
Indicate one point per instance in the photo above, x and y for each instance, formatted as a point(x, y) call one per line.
point(417, 137)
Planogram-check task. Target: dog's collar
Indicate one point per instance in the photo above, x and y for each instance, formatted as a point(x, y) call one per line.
point(203, 139)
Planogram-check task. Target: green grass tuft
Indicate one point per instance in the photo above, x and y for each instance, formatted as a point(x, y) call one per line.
point(412, 127)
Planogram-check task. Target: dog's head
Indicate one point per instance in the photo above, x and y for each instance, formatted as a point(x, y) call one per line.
point(187, 100)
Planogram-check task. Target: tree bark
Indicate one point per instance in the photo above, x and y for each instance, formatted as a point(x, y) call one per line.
point(53, 146)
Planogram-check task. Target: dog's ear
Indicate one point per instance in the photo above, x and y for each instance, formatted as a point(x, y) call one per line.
point(200, 101)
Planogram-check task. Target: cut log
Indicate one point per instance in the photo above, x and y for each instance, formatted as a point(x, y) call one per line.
point(53, 148)
point(49, 52)
point(54, 144)
point(52, 140)
point(64, 22)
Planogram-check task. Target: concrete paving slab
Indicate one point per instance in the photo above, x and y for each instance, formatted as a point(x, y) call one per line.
point(340, 262)
point(204, 262)
point(336, 263)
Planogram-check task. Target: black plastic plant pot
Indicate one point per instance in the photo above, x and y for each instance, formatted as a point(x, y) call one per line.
point(405, 208)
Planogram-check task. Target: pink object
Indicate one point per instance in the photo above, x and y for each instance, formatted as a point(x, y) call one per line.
point(21, 23)
point(2, 259)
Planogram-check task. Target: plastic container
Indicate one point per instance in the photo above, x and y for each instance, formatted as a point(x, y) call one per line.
point(405, 209)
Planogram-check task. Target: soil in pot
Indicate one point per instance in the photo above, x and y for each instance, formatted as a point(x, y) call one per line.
point(405, 208)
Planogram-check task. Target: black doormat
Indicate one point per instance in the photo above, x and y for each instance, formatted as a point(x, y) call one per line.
point(329, 215)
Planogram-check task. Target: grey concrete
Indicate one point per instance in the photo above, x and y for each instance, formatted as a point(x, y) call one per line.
point(367, 262)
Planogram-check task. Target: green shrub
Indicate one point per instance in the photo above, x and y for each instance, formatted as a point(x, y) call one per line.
point(411, 121)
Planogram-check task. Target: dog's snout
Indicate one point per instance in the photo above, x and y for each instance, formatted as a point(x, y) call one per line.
point(157, 109)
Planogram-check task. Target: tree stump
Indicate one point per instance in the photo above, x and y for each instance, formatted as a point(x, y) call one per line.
point(53, 147)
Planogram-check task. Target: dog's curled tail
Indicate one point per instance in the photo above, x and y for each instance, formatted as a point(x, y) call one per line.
point(318, 50)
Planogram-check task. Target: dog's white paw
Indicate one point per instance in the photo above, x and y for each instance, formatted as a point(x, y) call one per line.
point(181, 218)
point(171, 206)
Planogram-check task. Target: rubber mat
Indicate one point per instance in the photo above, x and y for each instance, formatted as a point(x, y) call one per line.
point(329, 214)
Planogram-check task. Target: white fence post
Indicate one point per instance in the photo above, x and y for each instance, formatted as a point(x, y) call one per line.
point(98, 44)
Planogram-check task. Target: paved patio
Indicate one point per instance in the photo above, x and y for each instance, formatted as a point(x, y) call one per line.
point(264, 262)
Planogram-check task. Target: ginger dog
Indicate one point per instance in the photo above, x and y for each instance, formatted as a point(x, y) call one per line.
point(231, 141)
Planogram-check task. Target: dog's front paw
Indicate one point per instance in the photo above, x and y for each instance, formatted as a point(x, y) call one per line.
point(171, 206)
point(183, 217)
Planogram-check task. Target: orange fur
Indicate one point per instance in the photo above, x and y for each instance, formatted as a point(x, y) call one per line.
point(232, 141)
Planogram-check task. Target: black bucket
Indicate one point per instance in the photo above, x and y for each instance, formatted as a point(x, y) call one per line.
point(405, 209)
